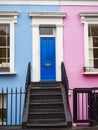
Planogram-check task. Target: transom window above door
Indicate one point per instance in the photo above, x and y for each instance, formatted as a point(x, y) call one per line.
point(47, 31)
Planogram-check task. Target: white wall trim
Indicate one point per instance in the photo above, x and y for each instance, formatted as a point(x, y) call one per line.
point(10, 18)
point(50, 2)
point(88, 18)
point(48, 21)
point(79, 2)
point(47, 14)
point(89, 14)
point(8, 13)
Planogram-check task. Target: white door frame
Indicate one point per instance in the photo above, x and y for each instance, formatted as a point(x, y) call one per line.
point(46, 19)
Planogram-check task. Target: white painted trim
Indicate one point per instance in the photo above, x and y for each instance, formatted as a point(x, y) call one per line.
point(29, 2)
point(47, 14)
point(86, 44)
point(90, 73)
point(8, 13)
point(47, 21)
point(50, 2)
point(88, 18)
point(10, 18)
point(7, 73)
point(59, 51)
point(89, 14)
point(79, 2)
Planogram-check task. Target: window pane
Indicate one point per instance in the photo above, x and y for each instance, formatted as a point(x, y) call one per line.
point(93, 45)
point(2, 52)
point(95, 52)
point(2, 41)
point(46, 30)
point(4, 48)
point(4, 35)
point(4, 55)
point(95, 41)
point(4, 29)
point(2, 60)
point(95, 63)
point(93, 30)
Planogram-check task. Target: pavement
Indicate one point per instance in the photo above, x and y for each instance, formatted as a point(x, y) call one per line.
point(73, 128)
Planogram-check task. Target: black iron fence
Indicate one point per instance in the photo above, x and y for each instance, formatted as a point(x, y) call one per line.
point(11, 106)
point(85, 105)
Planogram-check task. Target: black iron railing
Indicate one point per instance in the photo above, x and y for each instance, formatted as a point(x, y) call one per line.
point(27, 95)
point(85, 105)
point(28, 79)
point(65, 89)
point(64, 79)
point(11, 106)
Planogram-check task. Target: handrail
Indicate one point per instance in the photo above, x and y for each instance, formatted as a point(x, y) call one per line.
point(65, 89)
point(28, 79)
point(27, 93)
point(64, 79)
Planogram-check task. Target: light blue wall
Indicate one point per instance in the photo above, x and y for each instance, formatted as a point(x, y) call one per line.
point(23, 43)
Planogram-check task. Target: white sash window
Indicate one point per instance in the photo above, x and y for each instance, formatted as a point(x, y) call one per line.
point(90, 21)
point(7, 26)
point(4, 47)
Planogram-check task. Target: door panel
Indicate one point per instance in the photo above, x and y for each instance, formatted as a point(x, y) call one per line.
point(47, 58)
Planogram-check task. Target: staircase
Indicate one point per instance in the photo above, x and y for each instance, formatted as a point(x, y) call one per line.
point(46, 106)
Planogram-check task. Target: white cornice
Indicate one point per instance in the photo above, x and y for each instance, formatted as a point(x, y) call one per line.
point(29, 2)
point(8, 13)
point(89, 17)
point(8, 16)
point(79, 2)
point(50, 2)
point(89, 14)
point(48, 14)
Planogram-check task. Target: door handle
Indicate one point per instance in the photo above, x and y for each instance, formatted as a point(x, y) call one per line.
point(47, 64)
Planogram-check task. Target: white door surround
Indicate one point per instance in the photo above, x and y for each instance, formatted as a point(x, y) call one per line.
point(47, 19)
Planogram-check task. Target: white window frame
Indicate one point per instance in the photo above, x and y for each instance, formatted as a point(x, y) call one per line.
point(10, 18)
point(46, 19)
point(88, 18)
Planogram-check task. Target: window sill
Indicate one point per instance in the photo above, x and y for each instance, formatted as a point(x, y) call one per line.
point(90, 73)
point(7, 73)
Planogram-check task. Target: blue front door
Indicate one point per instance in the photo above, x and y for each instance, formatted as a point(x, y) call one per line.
point(47, 58)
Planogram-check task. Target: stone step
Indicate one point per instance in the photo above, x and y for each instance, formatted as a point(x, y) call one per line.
point(52, 105)
point(45, 84)
point(45, 91)
point(45, 121)
point(46, 110)
point(45, 96)
point(62, 124)
point(45, 101)
point(46, 115)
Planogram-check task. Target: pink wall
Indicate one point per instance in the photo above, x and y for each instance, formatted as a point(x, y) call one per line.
point(74, 47)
